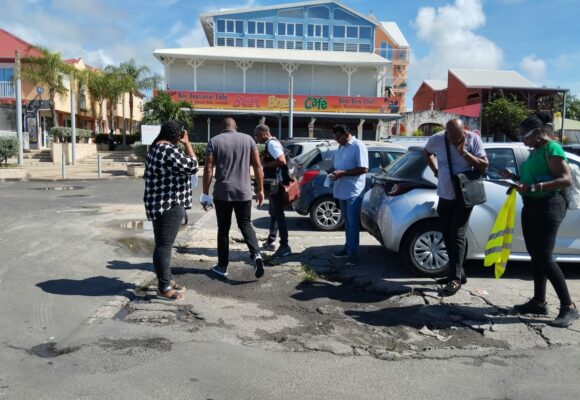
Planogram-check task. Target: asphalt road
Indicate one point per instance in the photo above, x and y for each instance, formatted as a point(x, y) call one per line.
point(69, 250)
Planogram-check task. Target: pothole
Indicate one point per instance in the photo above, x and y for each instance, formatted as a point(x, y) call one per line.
point(49, 350)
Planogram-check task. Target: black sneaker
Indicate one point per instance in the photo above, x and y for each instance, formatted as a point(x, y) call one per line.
point(341, 254)
point(566, 316)
point(258, 265)
point(532, 307)
point(351, 261)
point(269, 246)
point(221, 271)
point(445, 281)
point(283, 251)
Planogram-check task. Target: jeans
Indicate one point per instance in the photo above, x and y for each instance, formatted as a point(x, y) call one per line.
point(165, 229)
point(541, 218)
point(453, 217)
point(350, 208)
point(277, 219)
point(243, 211)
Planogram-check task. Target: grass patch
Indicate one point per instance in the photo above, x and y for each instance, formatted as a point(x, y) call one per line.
point(309, 274)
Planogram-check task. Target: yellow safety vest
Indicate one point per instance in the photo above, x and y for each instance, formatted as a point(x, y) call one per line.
point(499, 244)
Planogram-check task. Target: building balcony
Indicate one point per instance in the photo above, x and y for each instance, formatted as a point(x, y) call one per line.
point(7, 90)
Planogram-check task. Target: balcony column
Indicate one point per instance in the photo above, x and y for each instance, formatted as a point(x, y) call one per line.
point(244, 66)
point(381, 76)
point(349, 70)
point(195, 63)
point(167, 61)
point(359, 129)
point(311, 127)
point(290, 68)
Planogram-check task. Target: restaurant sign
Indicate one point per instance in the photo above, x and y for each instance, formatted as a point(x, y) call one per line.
point(280, 102)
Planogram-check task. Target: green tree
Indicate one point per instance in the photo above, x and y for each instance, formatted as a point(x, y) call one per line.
point(572, 106)
point(8, 148)
point(137, 77)
point(161, 108)
point(48, 71)
point(97, 86)
point(503, 115)
point(116, 84)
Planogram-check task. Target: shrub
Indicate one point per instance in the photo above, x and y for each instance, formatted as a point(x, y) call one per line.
point(139, 149)
point(65, 134)
point(103, 138)
point(8, 148)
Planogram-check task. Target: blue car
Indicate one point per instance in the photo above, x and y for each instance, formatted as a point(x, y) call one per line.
point(311, 170)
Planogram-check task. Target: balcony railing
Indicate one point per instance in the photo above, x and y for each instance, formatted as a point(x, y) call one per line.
point(7, 90)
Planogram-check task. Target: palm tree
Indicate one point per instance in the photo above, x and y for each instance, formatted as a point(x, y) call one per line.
point(97, 85)
point(162, 108)
point(137, 78)
point(48, 71)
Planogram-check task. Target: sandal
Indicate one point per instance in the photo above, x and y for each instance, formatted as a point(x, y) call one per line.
point(451, 288)
point(171, 294)
point(176, 286)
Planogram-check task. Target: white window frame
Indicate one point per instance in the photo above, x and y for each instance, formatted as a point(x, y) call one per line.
point(333, 30)
point(264, 25)
point(286, 24)
point(234, 22)
point(319, 44)
point(321, 26)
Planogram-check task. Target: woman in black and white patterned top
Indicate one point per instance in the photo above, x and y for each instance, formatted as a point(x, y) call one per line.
point(167, 195)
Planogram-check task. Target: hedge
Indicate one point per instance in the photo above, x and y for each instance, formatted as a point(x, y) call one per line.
point(8, 148)
point(103, 138)
point(65, 133)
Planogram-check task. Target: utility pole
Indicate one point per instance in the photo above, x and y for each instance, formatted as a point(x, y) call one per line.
point(73, 122)
point(19, 108)
point(291, 108)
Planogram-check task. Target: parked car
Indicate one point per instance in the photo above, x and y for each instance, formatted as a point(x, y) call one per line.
point(400, 212)
point(311, 170)
point(297, 146)
point(572, 148)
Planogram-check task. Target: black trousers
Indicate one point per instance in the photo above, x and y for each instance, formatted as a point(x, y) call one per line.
point(453, 217)
point(277, 219)
point(165, 229)
point(243, 211)
point(541, 219)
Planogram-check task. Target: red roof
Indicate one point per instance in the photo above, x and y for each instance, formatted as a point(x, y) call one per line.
point(472, 110)
point(72, 60)
point(10, 43)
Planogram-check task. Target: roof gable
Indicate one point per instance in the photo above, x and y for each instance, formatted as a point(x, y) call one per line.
point(10, 43)
point(392, 30)
point(473, 78)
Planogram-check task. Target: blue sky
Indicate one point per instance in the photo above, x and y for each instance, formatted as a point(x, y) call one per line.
point(537, 38)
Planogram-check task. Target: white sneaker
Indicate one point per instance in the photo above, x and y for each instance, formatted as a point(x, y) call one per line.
point(258, 265)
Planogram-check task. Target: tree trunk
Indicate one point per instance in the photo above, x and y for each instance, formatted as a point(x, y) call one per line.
point(101, 116)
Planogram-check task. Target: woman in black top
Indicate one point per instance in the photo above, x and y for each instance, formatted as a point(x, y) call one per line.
point(167, 195)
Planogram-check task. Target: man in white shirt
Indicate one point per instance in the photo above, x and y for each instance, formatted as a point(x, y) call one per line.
point(275, 169)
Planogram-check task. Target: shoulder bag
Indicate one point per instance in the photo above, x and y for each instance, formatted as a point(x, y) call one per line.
point(468, 185)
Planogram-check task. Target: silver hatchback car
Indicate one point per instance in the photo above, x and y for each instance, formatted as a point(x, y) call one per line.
point(400, 212)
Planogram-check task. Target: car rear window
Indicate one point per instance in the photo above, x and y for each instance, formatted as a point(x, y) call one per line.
point(411, 164)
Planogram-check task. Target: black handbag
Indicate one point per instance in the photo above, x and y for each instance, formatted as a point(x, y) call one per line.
point(468, 185)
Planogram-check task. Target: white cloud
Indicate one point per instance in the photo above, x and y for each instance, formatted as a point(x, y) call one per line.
point(193, 38)
point(449, 32)
point(98, 58)
point(534, 68)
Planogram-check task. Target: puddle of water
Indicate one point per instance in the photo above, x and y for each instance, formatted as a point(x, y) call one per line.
point(137, 246)
point(60, 188)
point(135, 225)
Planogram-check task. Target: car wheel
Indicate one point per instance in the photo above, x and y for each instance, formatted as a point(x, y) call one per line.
point(325, 215)
point(424, 250)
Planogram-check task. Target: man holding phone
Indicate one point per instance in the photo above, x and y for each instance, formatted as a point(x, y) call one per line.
point(351, 164)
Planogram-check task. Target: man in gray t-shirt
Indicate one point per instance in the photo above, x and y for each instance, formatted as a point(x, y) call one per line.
point(232, 153)
point(465, 153)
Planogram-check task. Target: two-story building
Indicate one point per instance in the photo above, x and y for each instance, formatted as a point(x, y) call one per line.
point(329, 52)
point(35, 104)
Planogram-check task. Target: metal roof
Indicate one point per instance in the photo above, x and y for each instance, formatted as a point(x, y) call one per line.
point(273, 56)
point(435, 84)
point(474, 78)
point(392, 30)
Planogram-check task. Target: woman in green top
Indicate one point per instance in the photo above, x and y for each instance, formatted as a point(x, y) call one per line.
point(542, 177)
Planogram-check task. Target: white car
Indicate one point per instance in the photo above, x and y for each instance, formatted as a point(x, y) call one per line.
point(400, 212)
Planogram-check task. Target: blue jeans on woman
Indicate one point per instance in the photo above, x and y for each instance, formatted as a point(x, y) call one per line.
point(350, 208)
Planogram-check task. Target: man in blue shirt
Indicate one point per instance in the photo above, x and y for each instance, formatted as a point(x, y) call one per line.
point(351, 164)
